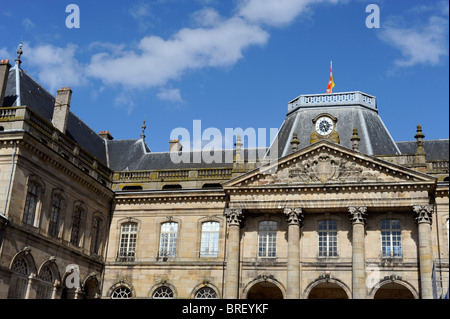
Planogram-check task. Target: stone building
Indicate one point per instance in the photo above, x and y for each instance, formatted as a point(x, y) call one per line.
point(334, 208)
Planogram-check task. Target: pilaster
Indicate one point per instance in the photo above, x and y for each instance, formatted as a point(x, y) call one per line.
point(294, 218)
point(231, 287)
point(358, 217)
point(424, 218)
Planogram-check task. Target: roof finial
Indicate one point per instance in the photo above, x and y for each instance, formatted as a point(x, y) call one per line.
point(143, 130)
point(419, 137)
point(19, 54)
point(355, 139)
point(294, 142)
point(239, 156)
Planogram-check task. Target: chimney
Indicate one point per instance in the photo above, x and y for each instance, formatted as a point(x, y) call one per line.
point(106, 135)
point(175, 146)
point(61, 109)
point(4, 72)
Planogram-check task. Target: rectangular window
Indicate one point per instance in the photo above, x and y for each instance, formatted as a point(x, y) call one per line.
point(76, 226)
point(267, 239)
point(210, 240)
point(168, 242)
point(391, 238)
point(96, 235)
point(31, 203)
point(54, 216)
point(127, 244)
point(328, 238)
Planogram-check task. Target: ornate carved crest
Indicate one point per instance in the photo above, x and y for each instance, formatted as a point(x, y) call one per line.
point(325, 168)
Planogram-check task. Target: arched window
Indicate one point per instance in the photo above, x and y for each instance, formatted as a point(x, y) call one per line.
point(391, 238)
point(267, 239)
point(210, 239)
point(206, 293)
point(328, 238)
point(163, 292)
point(127, 245)
point(121, 293)
point(31, 202)
point(168, 240)
point(76, 226)
point(45, 287)
point(19, 279)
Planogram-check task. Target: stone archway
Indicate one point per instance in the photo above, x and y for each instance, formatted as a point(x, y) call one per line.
point(327, 291)
point(264, 290)
point(327, 288)
point(393, 290)
point(91, 287)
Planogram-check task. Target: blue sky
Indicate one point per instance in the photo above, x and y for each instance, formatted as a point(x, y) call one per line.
point(233, 63)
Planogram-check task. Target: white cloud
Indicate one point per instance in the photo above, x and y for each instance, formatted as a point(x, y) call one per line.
point(275, 12)
point(207, 17)
point(418, 44)
point(28, 24)
point(124, 100)
point(170, 95)
point(6, 55)
point(142, 13)
point(155, 61)
point(56, 67)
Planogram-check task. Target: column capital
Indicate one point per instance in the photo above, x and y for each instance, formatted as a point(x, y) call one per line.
point(423, 214)
point(357, 214)
point(294, 216)
point(234, 216)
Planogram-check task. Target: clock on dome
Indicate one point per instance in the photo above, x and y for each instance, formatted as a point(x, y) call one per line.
point(324, 129)
point(324, 125)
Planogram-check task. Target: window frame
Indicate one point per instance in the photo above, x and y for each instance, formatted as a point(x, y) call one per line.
point(327, 238)
point(81, 208)
point(32, 216)
point(97, 234)
point(19, 280)
point(129, 294)
point(124, 253)
point(267, 240)
point(54, 227)
point(168, 291)
point(389, 239)
point(210, 238)
point(168, 247)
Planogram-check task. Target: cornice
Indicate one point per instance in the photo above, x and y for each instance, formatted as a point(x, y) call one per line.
point(330, 188)
point(168, 197)
point(61, 164)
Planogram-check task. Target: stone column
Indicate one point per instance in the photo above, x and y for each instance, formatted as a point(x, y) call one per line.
point(234, 217)
point(55, 287)
point(294, 218)
point(358, 218)
point(30, 292)
point(424, 217)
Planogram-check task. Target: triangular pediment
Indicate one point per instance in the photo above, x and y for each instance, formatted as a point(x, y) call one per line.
point(326, 163)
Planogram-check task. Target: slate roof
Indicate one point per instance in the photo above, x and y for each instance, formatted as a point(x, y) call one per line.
point(434, 149)
point(37, 98)
point(134, 155)
point(375, 138)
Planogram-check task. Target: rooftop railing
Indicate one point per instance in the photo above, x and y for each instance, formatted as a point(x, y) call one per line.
point(58, 141)
point(333, 99)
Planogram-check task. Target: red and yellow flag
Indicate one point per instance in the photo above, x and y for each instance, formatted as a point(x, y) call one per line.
point(331, 82)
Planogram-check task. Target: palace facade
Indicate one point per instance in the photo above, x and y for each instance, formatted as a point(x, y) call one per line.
point(334, 208)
